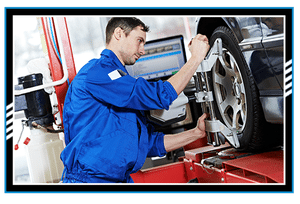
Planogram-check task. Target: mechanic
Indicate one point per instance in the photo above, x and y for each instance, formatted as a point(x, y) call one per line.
point(107, 135)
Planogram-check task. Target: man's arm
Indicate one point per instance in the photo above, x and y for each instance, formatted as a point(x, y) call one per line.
point(198, 47)
point(175, 141)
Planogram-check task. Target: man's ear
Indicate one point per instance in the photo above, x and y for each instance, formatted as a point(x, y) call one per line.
point(118, 33)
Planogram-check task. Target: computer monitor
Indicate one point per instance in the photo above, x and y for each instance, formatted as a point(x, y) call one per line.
point(163, 58)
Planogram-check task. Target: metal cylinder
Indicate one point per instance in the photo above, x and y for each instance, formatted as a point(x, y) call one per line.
point(38, 102)
point(211, 110)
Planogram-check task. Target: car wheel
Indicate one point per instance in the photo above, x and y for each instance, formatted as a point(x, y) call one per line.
point(236, 96)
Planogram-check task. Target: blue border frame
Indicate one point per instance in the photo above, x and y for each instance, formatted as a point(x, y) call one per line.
point(132, 193)
point(152, 8)
point(293, 95)
point(3, 125)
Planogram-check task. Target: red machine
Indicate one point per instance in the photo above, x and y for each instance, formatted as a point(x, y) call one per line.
point(221, 164)
point(55, 64)
point(202, 163)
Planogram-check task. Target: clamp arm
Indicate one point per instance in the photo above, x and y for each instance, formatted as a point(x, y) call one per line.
point(204, 95)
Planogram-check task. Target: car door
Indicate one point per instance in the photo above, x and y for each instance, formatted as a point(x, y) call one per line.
point(273, 41)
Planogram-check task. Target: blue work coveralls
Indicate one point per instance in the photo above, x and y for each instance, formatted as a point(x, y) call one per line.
point(107, 135)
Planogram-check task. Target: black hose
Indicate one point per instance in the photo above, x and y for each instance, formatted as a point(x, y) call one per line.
point(35, 125)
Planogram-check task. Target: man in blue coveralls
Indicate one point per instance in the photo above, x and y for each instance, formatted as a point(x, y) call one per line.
point(106, 133)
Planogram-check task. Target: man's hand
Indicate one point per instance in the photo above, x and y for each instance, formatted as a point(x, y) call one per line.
point(178, 140)
point(199, 46)
point(201, 126)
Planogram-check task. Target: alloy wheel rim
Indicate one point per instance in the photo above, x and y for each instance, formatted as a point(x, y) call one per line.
point(229, 89)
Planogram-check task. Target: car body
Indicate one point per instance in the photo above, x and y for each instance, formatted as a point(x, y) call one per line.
point(261, 41)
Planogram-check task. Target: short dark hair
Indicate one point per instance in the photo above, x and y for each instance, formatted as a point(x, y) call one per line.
point(126, 24)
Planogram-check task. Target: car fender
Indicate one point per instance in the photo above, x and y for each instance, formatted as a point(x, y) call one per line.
point(207, 25)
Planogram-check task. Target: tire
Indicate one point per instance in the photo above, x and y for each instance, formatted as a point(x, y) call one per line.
point(236, 96)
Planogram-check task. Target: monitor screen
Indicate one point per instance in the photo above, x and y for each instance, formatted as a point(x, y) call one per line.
point(163, 57)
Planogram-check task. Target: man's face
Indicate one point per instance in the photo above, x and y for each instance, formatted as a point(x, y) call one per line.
point(132, 46)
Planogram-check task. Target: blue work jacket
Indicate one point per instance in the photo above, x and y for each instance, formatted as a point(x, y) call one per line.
point(107, 135)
